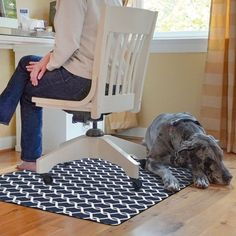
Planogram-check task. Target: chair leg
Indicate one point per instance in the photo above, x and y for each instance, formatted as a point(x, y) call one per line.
point(75, 149)
point(137, 150)
point(112, 152)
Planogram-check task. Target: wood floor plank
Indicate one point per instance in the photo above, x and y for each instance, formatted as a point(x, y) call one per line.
point(190, 212)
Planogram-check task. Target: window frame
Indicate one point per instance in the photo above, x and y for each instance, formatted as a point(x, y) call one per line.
point(177, 42)
point(181, 42)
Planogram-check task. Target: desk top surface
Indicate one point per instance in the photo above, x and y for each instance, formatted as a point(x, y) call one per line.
point(15, 37)
point(20, 33)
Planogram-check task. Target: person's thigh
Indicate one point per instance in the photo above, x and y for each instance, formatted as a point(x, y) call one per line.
point(59, 84)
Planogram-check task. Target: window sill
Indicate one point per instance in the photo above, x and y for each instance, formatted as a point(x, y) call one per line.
point(179, 45)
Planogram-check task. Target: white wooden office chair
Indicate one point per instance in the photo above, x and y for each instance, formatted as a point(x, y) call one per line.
point(121, 56)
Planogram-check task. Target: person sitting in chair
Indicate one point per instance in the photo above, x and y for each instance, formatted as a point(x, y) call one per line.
point(64, 73)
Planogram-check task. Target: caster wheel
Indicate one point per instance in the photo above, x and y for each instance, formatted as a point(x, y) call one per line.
point(137, 184)
point(142, 163)
point(47, 178)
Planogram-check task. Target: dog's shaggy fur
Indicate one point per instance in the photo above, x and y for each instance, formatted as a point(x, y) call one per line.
point(179, 140)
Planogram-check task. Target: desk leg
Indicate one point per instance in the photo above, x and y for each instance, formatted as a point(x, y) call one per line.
point(18, 129)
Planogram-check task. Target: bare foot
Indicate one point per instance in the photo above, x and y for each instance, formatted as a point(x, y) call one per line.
point(25, 165)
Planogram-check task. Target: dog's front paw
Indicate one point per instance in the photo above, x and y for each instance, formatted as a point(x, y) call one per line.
point(200, 181)
point(171, 184)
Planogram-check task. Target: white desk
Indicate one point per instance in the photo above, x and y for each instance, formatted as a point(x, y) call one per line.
point(57, 125)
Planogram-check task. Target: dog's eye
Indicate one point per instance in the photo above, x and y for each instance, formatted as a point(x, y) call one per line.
point(207, 163)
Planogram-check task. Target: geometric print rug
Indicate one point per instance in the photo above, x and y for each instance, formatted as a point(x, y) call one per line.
point(90, 189)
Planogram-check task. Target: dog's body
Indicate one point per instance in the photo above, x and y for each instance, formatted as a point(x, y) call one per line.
point(179, 140)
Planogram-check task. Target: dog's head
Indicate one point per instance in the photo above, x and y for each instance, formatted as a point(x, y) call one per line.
point(205, 154)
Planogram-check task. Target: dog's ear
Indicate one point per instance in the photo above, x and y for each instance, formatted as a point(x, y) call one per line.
point(188, 146)
point(194, 143)
point(213, 139)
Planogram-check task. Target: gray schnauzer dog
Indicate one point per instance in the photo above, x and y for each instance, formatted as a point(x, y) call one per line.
point(179, 140)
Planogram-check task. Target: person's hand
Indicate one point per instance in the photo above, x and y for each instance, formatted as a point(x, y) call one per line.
point(37, 69)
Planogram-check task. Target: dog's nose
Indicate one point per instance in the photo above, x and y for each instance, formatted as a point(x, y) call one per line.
point(227, 177)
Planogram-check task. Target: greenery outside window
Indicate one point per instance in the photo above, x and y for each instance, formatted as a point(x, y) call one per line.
point(179, 23)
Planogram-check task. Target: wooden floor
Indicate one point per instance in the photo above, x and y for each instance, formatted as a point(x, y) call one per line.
point(210, 212)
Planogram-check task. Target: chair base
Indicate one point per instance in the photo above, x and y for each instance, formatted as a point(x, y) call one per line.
point(117, 151)
point(94, 133)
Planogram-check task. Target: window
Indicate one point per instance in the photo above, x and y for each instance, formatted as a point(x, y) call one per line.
point(8, 14)
point(8, 8)
point(180, 19)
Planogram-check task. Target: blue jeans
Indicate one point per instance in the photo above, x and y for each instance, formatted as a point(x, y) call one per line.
point(59, 84)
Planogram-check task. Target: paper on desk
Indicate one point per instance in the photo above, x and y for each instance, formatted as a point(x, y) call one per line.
point(29, 24)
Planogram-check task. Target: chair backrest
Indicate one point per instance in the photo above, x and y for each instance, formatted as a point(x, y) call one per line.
point(121, 57)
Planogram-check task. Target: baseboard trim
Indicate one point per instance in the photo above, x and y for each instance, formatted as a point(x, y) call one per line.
point(7, 142)
point(137, 132)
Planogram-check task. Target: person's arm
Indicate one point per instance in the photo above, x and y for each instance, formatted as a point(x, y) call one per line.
point(67, 40)
point(68, 23)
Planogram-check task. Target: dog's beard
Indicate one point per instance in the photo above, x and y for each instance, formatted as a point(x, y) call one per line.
point(216, 174)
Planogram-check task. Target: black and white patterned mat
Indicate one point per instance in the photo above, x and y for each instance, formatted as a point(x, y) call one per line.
point(88, 189)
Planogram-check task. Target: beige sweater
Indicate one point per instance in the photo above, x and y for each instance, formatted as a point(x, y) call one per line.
point(76, 24)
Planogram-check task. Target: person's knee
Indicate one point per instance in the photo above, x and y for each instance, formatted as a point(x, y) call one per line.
point(24, 61)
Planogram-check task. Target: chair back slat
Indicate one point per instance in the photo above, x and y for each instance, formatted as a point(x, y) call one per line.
point(120, 75)
point(130, 79)
point(136, 56)
point(127, 61)
point(115, 63)
point(109, 45)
